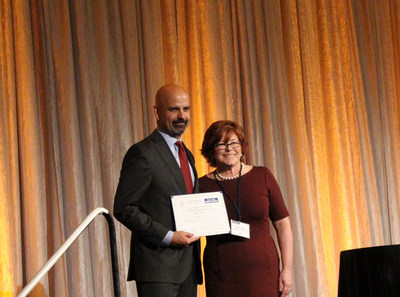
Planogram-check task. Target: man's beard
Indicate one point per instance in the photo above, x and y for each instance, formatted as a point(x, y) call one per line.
point(178, 131)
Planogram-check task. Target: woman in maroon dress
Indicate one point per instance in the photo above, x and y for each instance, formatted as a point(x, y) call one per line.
point(235, 265)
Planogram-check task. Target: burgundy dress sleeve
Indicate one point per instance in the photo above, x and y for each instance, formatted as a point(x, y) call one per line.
point(277, 208)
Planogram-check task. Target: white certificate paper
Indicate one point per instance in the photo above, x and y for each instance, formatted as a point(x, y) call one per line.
point(203, 214)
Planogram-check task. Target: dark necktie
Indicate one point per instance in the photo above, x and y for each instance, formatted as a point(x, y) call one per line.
point(185, 167)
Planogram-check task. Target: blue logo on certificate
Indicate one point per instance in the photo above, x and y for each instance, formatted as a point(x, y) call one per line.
point(211, 200)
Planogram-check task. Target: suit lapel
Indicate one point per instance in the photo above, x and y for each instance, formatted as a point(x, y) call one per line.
point(163, 150)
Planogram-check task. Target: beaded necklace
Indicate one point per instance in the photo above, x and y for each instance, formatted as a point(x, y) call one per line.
point(230, 177)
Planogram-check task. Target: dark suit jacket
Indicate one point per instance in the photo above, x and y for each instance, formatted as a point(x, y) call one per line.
point(149, 177)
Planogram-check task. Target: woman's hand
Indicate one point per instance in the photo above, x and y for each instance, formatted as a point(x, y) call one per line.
point(285, 282)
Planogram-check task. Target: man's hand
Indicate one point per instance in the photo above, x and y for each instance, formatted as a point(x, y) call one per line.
point(182, 238)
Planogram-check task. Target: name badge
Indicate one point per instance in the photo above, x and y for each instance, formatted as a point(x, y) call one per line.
point(240, 229)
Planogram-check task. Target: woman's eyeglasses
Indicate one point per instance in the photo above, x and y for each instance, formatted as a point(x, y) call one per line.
point(224, 145)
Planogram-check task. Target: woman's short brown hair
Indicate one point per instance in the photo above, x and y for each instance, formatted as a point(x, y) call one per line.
point(214, 134)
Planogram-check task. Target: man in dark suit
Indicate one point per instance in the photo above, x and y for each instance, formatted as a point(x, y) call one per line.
point(164, 262)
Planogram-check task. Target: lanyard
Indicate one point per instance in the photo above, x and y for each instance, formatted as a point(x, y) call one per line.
point(235, 205)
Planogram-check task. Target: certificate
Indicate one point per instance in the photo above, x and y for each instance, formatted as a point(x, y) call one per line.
point(203, 214)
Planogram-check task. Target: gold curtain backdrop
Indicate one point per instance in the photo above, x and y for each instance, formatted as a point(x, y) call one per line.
point(315, 83)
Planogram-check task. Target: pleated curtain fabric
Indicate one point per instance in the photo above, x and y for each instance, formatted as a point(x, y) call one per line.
point(315, 84)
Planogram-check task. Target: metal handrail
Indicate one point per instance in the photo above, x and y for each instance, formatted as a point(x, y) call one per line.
point(50, 263)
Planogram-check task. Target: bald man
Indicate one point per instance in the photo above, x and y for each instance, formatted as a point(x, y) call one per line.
point(164, 262)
